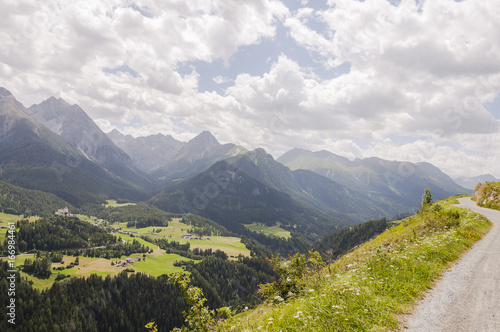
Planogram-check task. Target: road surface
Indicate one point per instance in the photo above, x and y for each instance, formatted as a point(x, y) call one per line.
point(467, 298)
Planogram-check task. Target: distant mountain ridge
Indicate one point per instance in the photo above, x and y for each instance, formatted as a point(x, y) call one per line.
point(306, 186)
point(195, 156)
point(34, 157)
point(396, 186)
point(76, 127)
point(472, 182)
point(149, 152)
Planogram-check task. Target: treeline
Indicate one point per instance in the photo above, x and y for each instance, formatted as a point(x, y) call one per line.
point(39, 267)
point(139, 215)
point(231, 283)
point(55, 233)
point(117, 250)
point(122, 303)
point(203, 226)
point(20, 201)
point(127, 302)
point(340, 242)
point(184, 249)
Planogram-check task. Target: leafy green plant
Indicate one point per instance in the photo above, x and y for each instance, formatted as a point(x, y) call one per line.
point(152, 327)
point(295, 272)
point(199, 317)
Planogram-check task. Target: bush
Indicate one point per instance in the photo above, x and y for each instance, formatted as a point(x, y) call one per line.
point(294, 274)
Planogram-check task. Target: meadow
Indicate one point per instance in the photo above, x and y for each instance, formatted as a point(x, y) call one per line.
point(266, 230)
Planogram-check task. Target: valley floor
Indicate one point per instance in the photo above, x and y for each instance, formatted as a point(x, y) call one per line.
point(467, 298)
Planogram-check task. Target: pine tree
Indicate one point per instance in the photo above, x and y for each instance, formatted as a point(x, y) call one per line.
point(426, 197)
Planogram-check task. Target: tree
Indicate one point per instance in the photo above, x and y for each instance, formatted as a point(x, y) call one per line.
point(426, 197)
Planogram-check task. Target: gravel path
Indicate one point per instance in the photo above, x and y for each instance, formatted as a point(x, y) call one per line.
point(467, 298)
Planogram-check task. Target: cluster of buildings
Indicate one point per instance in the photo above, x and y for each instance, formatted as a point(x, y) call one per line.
point(65, 213)
point(189, 236)
point(126, 261)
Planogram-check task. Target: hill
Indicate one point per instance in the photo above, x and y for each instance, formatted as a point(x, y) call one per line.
point(17, 200)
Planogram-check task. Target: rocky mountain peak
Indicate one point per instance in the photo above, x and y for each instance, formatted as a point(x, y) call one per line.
point(4, 93)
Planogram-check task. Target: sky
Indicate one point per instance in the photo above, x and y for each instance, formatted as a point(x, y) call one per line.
point(410, 80)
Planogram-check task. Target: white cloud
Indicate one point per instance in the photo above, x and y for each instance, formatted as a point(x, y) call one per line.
point(421, 71)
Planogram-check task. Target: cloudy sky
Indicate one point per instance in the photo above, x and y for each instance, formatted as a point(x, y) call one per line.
point(415, 80)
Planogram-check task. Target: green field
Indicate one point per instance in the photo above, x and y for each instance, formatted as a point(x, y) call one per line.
point(232, 246)
point(266, 230)
point(158, 265)
point(113, 203)
point(6, 218)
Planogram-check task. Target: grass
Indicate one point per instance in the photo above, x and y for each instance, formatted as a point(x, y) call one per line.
point(368, 289)
point(158, 265)
point(232, 246)
point(113, 203)
point(266, 230)
point(5, 218)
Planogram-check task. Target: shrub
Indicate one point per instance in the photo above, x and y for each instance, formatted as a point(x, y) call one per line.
point(294, 275)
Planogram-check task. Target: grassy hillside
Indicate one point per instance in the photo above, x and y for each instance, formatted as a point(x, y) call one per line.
point(488, 195)
point(368, 288)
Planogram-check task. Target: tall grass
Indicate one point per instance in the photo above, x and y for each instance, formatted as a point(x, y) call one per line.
point(369, 288)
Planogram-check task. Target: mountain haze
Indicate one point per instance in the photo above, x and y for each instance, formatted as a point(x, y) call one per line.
point(472, 182)
point(395, 186)
point(308, 187)
point(148, 153)
point(195, 156)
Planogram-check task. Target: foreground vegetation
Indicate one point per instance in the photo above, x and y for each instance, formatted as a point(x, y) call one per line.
point(488, 195)
point(368, 288)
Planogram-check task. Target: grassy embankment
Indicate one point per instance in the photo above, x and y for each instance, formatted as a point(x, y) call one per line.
point(487, 195)
point(369, 288)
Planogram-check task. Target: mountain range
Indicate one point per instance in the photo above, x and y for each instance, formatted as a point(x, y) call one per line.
point(34, 157)
point(57, 148)
point(472, 182)
point(394, 186)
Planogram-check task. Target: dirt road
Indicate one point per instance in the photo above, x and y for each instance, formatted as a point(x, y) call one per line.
point(467, 298)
